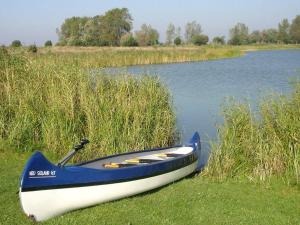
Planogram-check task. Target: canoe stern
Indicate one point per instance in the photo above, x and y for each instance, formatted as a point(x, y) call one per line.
point(195, 142)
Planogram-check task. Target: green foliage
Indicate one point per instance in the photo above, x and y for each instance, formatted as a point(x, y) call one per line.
point(48, 43)
point(128, 40)
point(115, 23)
point(16, 43)
point(295, 30)
point(284, 31)
point(3, 50)
point(200, 39)
point(100, 30)
point(32, 48)
point(192, 29)
point(269, 36)
point(177, 41)
point(170, 34)
point(219, 40)
point(239, 34)
point(255, 37)
point(147, 36)
point(53, 104)
point(259, 146)
point(72, 30)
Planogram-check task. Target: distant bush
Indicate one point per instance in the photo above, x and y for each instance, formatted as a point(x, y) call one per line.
point(76, 42)
point(32, 48)
point(128, 40)
point(99, 43)
point(147, 36)
point(177, 41)
point(219, 40)
point(3, 51)
point(48, 43)
point(200, 39)
point(16, 43)
point(61, 43)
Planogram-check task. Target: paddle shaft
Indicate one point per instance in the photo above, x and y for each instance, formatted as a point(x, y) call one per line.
point(73, 152)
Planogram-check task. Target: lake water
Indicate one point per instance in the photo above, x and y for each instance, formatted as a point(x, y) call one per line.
point(200, 88)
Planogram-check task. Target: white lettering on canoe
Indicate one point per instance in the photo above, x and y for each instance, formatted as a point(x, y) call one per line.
point(42, 173)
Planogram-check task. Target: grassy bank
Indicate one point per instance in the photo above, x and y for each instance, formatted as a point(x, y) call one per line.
point(259, 145)
point(190, 201)
point(51, 105)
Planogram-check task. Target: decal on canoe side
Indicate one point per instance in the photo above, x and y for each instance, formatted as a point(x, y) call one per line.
point(42, 174)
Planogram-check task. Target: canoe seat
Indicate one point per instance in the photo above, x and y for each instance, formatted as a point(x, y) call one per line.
point(137, 161)
point(169, 155)
point(117, 165)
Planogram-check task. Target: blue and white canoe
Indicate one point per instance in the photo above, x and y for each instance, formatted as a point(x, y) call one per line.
point(48, 190)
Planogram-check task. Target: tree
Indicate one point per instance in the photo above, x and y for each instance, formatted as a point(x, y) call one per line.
point(128, 40)
point(177, 41)
point(219, 40)
point(192, 29)
point(170, 34)
point(92, 31)
point(16, 43)
point(239, 34)
point(283, 31)
point(200, 39)
point(269, 36)
point(72, 31)
point(178, 32)
point(255, 37)
point(295, 30)
point(114, 24)
point(147, 36)
point(100, 30)
point(48, 43)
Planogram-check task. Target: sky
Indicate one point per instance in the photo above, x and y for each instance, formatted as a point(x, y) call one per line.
point(35, 21)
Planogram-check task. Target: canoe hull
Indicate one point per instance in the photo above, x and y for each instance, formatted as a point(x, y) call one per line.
point(44, 204)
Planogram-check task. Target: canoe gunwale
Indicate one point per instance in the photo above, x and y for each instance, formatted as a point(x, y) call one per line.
point(128, 153)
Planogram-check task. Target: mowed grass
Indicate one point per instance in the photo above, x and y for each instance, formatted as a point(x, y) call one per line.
point(194, 200)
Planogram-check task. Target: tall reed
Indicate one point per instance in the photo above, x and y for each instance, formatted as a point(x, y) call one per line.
point(112, 57)
point(51, 104)
point(259, 146)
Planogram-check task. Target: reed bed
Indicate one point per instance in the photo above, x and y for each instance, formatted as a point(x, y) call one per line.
point(259, 145)
point(92, 57)
point(51, 104)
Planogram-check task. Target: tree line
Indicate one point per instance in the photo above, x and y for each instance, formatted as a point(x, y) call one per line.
point(286, 33)
point(114, 28)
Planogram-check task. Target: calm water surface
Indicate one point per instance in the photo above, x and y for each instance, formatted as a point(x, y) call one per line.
point(200, 88)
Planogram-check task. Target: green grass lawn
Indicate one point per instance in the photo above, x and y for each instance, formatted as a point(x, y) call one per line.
point(193, 200)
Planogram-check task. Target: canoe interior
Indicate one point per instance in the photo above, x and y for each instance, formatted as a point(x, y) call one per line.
point(151, 156)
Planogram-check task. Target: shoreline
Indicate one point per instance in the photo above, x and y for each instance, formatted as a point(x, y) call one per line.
point(91, 57)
